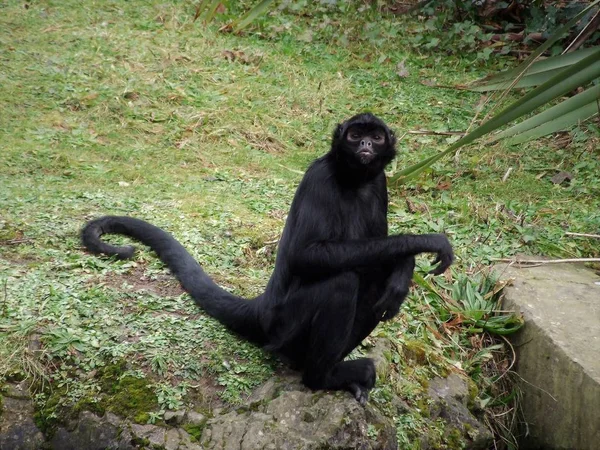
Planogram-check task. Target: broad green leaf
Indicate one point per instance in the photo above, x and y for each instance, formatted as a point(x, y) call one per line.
point(572, 104)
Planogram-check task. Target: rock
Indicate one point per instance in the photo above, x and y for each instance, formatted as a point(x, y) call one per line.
point(557, 353)
point(172, 439)
point(300, 419)
point(93, 433)
point(18, 431)
point(454, 387)
point(174, 417)
point(281, 414)
point(449, 402)
point(195, 418)
point(155, 435)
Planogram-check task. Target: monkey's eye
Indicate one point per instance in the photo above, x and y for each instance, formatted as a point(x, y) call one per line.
point(378, 138)
point(353, 136)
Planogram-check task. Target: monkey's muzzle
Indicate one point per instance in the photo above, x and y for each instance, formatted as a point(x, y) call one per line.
point(365, 155)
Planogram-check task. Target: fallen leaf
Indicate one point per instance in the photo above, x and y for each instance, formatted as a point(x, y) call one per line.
point(561, 177)
point(402, 70)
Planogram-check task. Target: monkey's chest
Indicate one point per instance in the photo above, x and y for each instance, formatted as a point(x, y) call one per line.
point(360, 219)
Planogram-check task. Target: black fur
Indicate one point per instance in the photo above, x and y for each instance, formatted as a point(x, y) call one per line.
point(337, 273)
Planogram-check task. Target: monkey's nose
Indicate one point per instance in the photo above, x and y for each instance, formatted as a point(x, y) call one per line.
point(366, 143)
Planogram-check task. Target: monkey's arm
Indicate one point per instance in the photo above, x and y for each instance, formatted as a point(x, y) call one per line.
point(329, 256)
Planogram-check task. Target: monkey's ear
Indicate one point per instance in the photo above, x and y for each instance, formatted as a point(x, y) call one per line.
point(391, 137)
point(337, 133)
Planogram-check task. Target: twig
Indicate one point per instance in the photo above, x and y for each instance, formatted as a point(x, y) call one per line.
point(547, 261)
point(569, 233)
point(5, 300)
point(15, 241)
point(587, 31)
point(437, 133)
point(505, 177)
point(513, 360)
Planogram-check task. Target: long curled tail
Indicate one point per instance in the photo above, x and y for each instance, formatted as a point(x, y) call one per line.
point(234, 312)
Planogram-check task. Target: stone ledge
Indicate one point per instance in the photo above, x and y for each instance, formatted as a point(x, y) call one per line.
point(558, 353)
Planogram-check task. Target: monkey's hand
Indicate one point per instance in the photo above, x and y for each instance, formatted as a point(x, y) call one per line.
point(398, 285)
point(389, 304)
point(445, 255)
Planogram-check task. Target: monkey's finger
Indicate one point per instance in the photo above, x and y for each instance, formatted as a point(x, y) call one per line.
point(442, 267)
point(360, 393)
point(436, 260)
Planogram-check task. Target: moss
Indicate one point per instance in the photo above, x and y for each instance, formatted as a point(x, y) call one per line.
point(9, 232)
point(454, 439)
point(46, 417)
point(415, 351)
point(126, 396)
point(195, 430)
point(423, 405)
point(140, 442)
point(132, 398)
point(473, 393)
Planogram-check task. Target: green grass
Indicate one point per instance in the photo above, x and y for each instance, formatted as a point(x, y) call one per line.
point(130, 108)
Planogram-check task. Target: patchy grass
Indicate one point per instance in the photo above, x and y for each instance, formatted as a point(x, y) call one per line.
point(129, 108)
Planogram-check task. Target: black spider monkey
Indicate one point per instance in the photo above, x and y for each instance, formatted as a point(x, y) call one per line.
point(337, 272)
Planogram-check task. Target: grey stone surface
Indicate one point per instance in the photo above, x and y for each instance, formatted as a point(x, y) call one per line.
point(558, 353)
point(174, 417)
point(93, 433)
point(17, 428)
point(281, 414)
point(449, 402)
point(301, 420)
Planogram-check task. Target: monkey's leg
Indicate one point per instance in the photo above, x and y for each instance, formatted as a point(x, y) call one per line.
point(330, 333)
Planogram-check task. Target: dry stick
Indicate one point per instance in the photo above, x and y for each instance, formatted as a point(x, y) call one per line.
point(513, 360)
point(437, 133)
point(5, 300)
point(546, 261)
point(587, 31)
point(569, 233)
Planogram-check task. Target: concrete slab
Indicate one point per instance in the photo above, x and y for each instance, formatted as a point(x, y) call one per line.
point(558, 354)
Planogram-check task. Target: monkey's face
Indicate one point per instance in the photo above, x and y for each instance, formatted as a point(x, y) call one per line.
point(366, 143)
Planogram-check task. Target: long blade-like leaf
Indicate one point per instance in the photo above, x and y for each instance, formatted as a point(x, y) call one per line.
point(529, 80)
point(568, 79)
point(574, 103)
point(521, 68)
point(212, 11)
point(251, 15)
point(559, 124)
point(543, 65)
point(201, 8)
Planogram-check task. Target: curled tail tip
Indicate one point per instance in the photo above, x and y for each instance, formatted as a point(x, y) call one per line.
point(91, 239)
point(125, 252)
